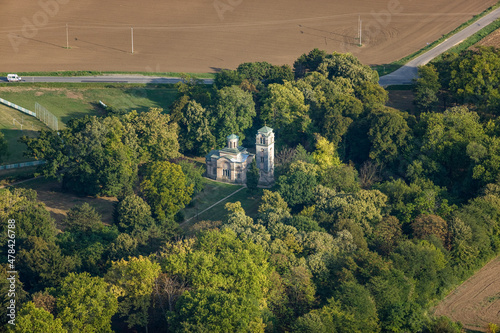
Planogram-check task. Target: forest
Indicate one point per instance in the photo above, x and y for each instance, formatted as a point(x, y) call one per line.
point(375, 216)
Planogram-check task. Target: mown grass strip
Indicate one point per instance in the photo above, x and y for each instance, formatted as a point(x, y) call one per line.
point(472, 40)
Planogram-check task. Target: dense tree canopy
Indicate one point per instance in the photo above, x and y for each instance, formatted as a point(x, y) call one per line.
point(376, 213)
point(165, 189)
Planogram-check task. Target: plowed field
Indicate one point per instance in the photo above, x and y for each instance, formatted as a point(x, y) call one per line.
point(476, 302)
point(206, 35)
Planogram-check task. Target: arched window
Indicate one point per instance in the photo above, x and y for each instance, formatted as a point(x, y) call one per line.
point(226, 171)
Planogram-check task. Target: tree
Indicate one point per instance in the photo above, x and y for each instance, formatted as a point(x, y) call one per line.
point(296, 186)
point(423, 262)
point(426, 88)
point(165, 188)
point(308, 62)
point(273, 208)
point(227, 78)
point(387, 234)
point(236, 266)
point(32, 319)
point(217, 311)
point(364, 207)
point(280, 74)
point(156, 134)
point(83, 218)
point(195, 131)
point(45, 301)
point(41, 263)
point(371, 94)
point(347, 66)
point(132, 282)
point(341, 178)
point(194, 175)
point(254, 71)
point(85, 304)
point(388, 134)
point(445, 137)
point(325, 154)
point(93, 156)
point(283, 107)
point(253, 176)
point(4, 148)
point(22, 205)
point(133, 213)
point(426, 225)
point(335, 117)
point(357, 300)
point(235, 110)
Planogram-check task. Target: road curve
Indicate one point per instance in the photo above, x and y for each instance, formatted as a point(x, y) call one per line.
point(115, 78)
point(408, 72)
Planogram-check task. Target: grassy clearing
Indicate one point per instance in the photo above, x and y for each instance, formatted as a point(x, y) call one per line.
point(14, 175)
point(58, 203)
point(73, 101)
point(389, 68)
point(12, 131)
point(212, 193)
point(248, 201)
point(68, 101)
point(96, 73)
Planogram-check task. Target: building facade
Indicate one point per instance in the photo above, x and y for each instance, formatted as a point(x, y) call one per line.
point(230, 164)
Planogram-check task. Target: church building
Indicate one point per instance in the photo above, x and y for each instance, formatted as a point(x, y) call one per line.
point(230, 164)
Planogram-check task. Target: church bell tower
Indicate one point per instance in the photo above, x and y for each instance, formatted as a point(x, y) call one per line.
point(265, 155)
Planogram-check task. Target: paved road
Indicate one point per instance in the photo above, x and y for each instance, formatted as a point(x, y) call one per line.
point(405, 74)
point(118, 78)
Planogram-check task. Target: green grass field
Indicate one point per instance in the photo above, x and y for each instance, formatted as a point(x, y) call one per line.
point(12, 131)
point(67, 101)
point(73, 101)
point(214, 192)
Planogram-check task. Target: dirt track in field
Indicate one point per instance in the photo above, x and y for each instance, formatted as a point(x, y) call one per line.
point(206, 35)
point(476, 302)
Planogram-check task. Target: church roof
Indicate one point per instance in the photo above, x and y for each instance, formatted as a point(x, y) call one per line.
point(265, 130)
point(233, 136)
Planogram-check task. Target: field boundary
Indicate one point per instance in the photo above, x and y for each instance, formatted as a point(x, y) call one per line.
point(385, 69)
point(21, 165)
point(17, 107)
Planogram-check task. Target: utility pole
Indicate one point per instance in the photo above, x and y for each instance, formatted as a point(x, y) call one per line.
point(67, 37)
point(132, 34)
point(359, 27)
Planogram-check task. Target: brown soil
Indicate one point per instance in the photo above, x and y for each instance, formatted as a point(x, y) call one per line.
point(206, 35)
point(402, 100)
point(492, 39)
point(476, 302)
point(58, 203)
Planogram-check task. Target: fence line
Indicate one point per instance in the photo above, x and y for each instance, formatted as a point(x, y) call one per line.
point(46, 117)
point(21, 165)
point(17, 107)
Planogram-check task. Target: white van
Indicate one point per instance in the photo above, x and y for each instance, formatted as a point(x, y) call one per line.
point(13, 78)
